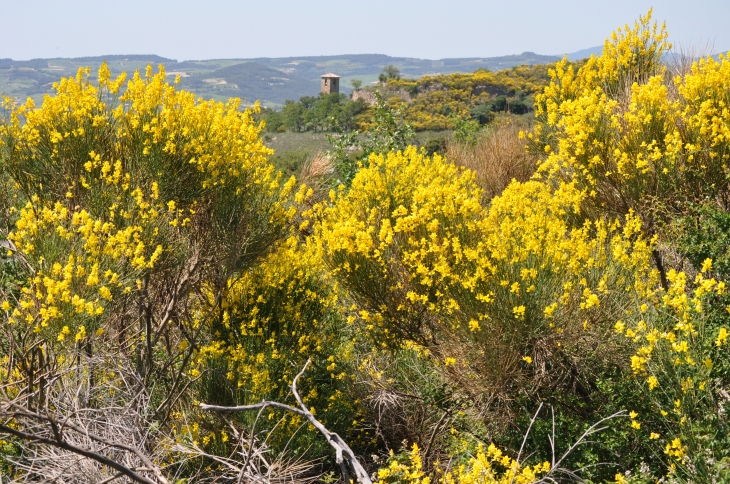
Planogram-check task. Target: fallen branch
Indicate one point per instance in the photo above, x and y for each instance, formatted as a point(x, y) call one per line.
point(343, 452)
point(62, 444)
point(58, 429)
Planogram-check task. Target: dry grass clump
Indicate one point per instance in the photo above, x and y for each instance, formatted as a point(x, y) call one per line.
point(317, 169)
point(497, 157)
point(317, 173)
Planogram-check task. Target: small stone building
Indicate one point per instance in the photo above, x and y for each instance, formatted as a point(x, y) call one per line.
point(330, 83)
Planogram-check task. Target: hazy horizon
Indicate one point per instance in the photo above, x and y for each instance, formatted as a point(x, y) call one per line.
point(222, 29)
point(150, 54)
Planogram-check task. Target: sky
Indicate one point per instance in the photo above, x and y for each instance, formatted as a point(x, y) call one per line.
point(223, 29)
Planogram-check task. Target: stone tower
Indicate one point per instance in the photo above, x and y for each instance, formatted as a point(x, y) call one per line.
point(330, 84)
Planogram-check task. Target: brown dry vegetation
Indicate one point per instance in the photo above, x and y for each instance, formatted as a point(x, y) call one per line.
point(498, 157)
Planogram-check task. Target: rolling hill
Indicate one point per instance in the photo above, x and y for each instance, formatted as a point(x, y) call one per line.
point(250, 81)
point(272, 80)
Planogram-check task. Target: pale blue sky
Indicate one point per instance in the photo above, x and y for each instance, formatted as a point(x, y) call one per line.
point(205, 29)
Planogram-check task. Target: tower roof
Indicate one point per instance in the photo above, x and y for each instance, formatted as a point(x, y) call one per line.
point(330, 75)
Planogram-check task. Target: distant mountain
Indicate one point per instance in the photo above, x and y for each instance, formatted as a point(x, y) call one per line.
point(272, 80)
point(31, 64)
point(368, 65)
point(250, 81)
point(112, 58)
point(585, 53)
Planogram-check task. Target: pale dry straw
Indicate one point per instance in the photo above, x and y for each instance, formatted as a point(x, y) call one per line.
point(497, 158)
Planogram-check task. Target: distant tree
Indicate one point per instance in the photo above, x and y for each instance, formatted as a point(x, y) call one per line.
point(483, 113)
point(275, 121)
point(356, 84)
point(391, 72)
point(325, 112)
point(466, 131)
point(435, 145)
point(500, 104)
point(293, 114)
point(382, 78)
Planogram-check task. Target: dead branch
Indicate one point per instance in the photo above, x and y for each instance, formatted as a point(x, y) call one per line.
point(63, 439)
point(57, 427)
point(343, 452)
point(62, 444)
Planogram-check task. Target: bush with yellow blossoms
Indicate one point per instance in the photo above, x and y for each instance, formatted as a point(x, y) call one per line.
point(520, 300)
point(678, 347)
point(271, 320)
point(143, 231)
point(118, 194)
point(635, 135)
point(506, 299)
point(633, 132)
point(438, 102)
point(486, 466)
point(130, 206)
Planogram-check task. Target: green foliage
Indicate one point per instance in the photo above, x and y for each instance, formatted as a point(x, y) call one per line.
point(486, 112)
point(290, 162)
point(326, 112)
point(9, 451)
point(704, 233)
point(435, 145)
point(466, 131)
point(387, 133)
point(391, 72)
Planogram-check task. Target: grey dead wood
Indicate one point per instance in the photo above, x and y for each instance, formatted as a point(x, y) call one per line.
point(344, 455)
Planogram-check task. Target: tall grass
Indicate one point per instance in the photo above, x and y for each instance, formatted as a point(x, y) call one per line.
point(497, 157)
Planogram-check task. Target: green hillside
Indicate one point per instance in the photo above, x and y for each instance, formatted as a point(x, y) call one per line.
point(272, 80)
point(367, 66)
point(250, 81)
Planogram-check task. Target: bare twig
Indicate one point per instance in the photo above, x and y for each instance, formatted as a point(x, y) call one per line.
point(436, 428)
point(250, 466)
point(344, 453)
point(556, 468)
point(77, 450)
point(66, 440)
point(524, 439)
point(57, 432)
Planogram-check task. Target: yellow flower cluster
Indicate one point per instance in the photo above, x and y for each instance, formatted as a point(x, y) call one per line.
point(627, 132)
point(671, 353)
point(438, 101)
point(271, 320)
point(675, 449)
point(487, 466)
point(409, 472)
point(683, 336)
point(396, 238)
point(426, 263)
point(82, 260)
point(108, 189)
point(88, 138)
point(219, 139)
